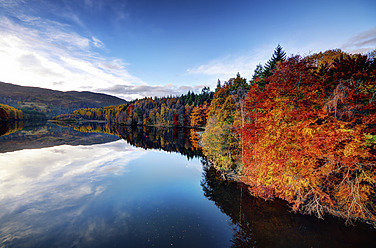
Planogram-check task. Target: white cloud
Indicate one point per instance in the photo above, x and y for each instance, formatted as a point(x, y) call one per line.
point(227, 67)
point(362, 43)
point(130, 92)
point(35, 52)
point(97, 43)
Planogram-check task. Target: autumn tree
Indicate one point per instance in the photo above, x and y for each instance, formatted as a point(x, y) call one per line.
point(297, 149)
point(199, 115)
point(10, 113)
point(165, 111)
point(221, 139)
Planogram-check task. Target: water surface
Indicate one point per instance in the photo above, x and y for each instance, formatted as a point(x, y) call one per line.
point(144, 187)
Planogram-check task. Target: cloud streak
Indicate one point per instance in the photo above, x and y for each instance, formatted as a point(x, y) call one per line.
point(362, 43)
point(129, 92)
point(227, 67)
point(35, 51)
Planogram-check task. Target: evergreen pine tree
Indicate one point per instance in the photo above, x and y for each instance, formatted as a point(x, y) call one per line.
point(258, 72)
point(278, 56)
point(258, 76)
point(218, 85)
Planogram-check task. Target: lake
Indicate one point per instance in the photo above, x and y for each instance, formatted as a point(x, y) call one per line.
point(97, 185)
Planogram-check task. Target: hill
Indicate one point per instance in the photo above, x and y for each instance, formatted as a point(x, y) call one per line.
point(53, 102)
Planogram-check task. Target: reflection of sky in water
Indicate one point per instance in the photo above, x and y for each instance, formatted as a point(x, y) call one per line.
point(90, 196)
point(38, 181)
point(35, 173)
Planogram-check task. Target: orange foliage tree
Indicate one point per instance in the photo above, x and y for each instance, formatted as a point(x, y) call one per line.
point(199, 115)
point(299, 148)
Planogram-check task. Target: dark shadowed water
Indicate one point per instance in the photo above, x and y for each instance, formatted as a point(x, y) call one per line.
point(144, 187)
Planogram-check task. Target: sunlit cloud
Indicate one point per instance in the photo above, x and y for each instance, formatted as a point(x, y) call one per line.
point(49, 55)
point(35, 52)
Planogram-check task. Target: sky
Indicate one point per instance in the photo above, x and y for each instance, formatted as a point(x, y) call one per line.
point(146, 48)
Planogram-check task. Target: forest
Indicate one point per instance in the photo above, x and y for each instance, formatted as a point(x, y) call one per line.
point(188, 110)
point(302, 130)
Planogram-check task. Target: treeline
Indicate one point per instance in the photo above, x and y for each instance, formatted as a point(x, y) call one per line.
point(304, 131)
point(187, 110)
point(8, 113)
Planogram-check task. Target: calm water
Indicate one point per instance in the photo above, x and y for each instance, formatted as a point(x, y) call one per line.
point(141, 188)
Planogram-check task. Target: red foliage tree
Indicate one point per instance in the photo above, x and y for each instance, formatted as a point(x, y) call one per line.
point(298, 150)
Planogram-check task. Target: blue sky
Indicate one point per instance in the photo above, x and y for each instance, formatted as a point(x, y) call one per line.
point(139, 48)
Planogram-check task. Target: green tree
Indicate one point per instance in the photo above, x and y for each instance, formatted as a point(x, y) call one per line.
point(258, 72)
point(279, 55)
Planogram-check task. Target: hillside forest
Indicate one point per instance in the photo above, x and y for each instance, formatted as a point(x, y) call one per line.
point(188, 110)
point(302, 130)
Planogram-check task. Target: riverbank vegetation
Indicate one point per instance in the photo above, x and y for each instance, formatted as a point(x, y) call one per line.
point(304, 133)
point(302, 130)
point(8, 113)
point(10, 119)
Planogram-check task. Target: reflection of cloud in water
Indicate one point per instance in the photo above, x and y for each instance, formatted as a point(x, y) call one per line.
point(55, 182)
point(195, 166)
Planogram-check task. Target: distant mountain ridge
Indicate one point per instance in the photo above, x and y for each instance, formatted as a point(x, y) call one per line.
point(53, 102)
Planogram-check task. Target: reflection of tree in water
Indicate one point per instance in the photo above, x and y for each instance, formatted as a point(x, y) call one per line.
point(7, 128)
point(166, 139)
point(161, 138)
point(4, 127)
point(256, 223)
point(260, 223)
point(39, 134)
point(227, 196)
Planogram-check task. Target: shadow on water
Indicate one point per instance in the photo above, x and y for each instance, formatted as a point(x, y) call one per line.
point(256, 222)
point(260, 223)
